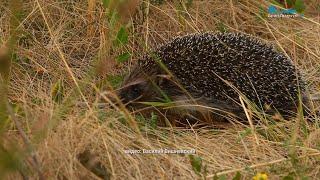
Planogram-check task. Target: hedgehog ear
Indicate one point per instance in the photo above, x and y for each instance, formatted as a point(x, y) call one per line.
point(162, 78)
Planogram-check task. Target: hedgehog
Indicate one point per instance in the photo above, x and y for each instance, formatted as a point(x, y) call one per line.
point(202, 76)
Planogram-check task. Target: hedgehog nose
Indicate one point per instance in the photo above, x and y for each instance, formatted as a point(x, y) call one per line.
point(119, 96)
point(125, 97)
point(112, 97)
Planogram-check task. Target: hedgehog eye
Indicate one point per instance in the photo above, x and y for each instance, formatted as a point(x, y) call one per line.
point(136, 89)
point(135, 92)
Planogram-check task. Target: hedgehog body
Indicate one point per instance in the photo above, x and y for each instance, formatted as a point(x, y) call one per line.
point(214, 69)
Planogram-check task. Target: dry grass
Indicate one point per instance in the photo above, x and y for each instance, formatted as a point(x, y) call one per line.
point(71, 42)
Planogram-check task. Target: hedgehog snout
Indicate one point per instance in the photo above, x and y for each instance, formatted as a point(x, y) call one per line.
point(139, 89)
point(130, 93)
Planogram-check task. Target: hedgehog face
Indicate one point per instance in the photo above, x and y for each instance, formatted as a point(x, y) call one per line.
point(136, 90)
point(133, 91)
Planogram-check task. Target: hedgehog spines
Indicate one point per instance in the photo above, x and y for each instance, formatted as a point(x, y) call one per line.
point(203, 62)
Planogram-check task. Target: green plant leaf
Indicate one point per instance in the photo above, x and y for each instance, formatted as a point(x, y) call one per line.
point(299, 6)
point(57, 91)
point(189, 3)
point(113, 18)
point(115, 80)
point(288, 177)
point(237, 176)
point(221, 177)
point(153, 120)
point(105, 3)
point(289, 3)
point(158, 104)
point(123, 57)
point(222, 27)
point(10, 160)
point(196, 163)
point(122, 37)
point(262, 14)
